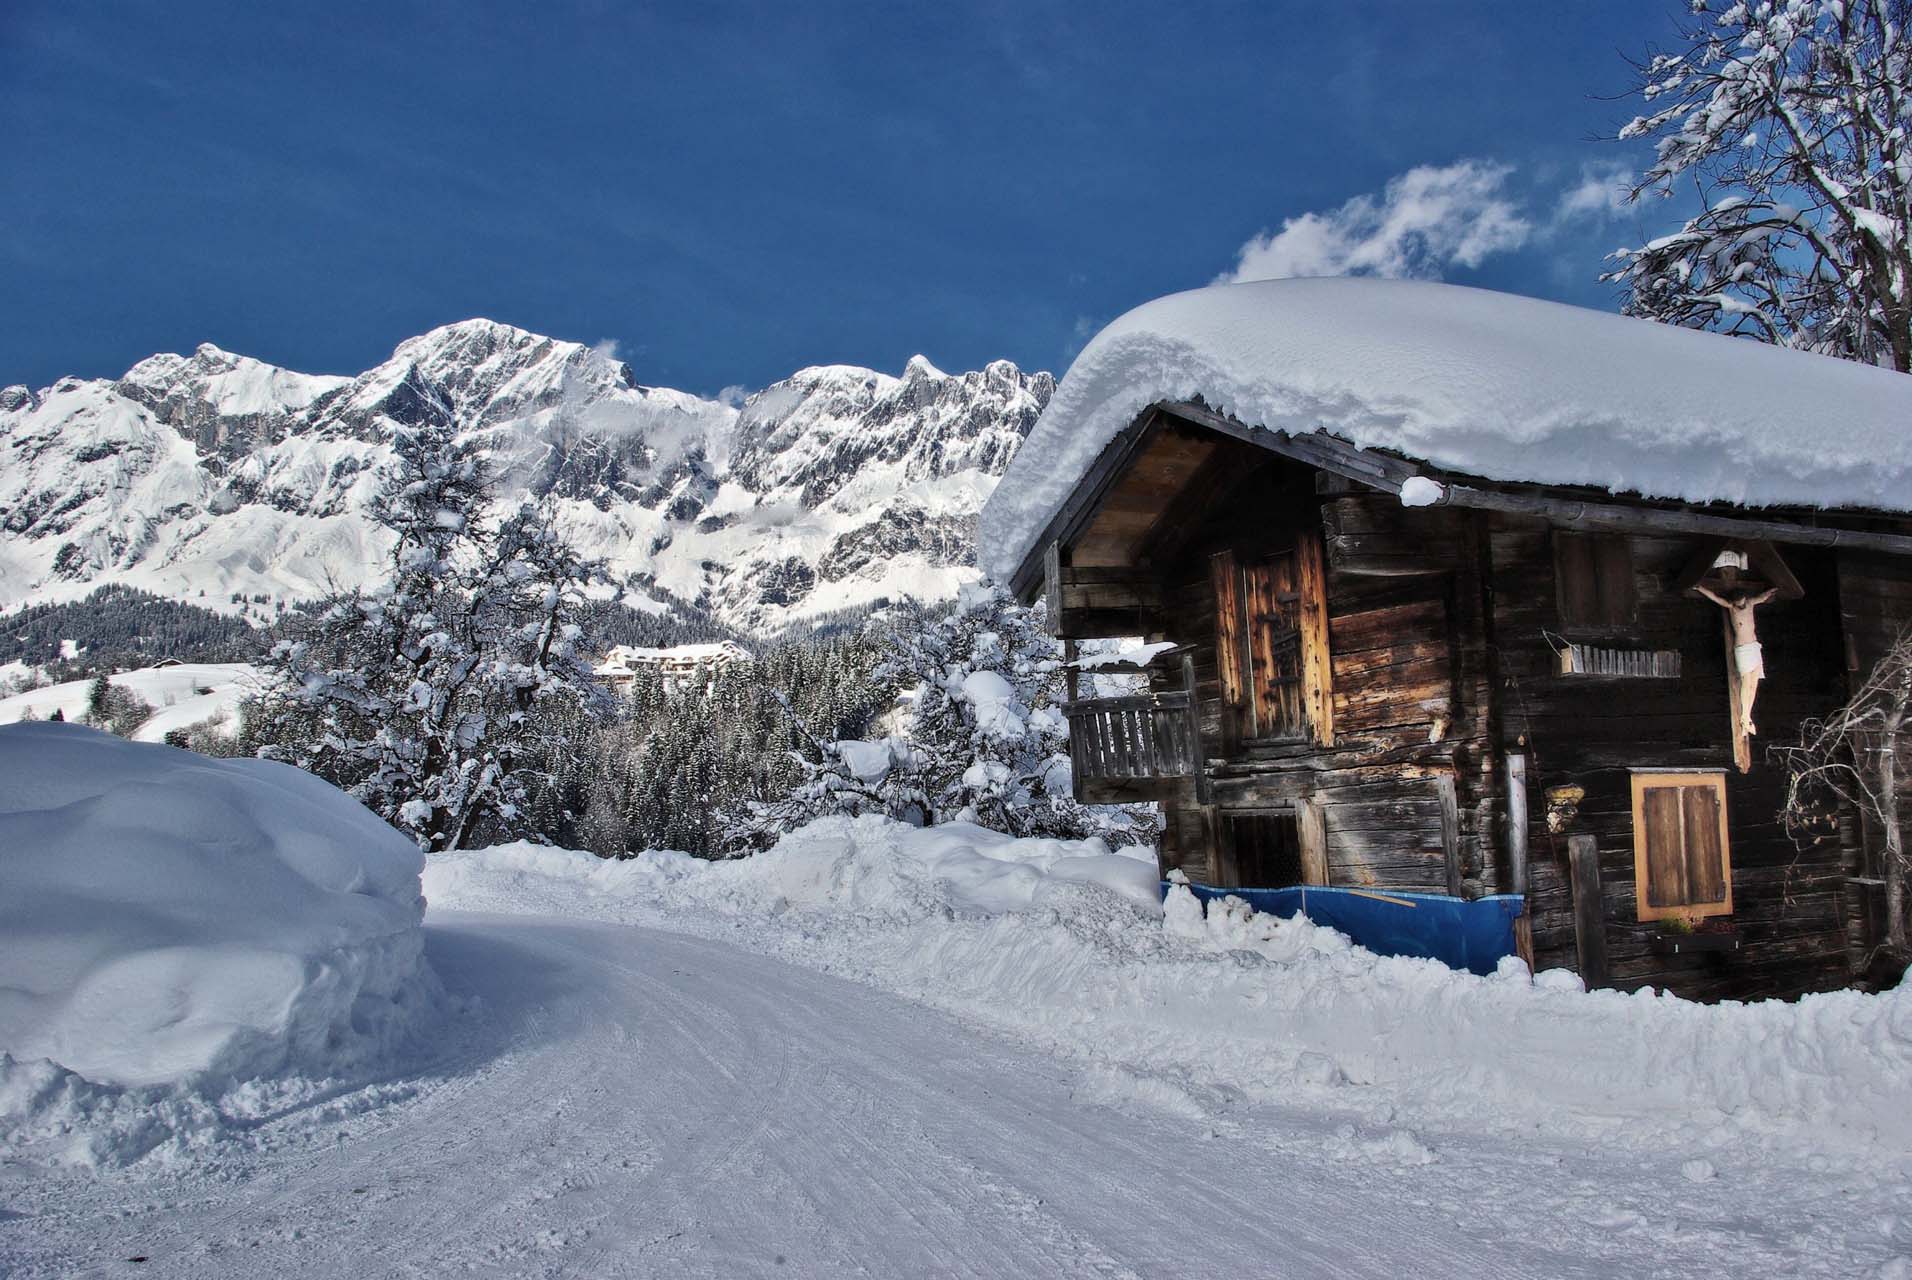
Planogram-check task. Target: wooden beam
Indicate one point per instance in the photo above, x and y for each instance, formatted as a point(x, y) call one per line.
point(1573, 513)
point(1735, 701)
point(1516, 776)
point(1385, 472)
point(1311, 825)
point(1446, 787)
point(1052, 586)
point(1204, 793)
point(1516, 799)
point(1231, 654)
point(1589, 909)
point(1317, 671)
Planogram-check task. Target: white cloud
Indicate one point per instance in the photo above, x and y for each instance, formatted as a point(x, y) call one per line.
point(734, 395)
point(1423, 222)
point(605, 349)
point(1599, 196)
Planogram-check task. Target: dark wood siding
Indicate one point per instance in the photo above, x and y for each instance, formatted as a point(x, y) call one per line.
point(1584, 735)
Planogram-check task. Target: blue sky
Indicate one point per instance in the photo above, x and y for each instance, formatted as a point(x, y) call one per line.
point(729, 192)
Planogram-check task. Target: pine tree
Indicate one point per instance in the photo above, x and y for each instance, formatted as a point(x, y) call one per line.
point(439, 698)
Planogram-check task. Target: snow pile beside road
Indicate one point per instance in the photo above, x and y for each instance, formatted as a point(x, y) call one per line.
point(862, 867)
point(1169, 1004)
point(177, 928)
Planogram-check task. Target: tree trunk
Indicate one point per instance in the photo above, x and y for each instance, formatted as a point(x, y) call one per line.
point(1889, 825)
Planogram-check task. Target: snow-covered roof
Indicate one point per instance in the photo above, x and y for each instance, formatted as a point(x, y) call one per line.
point(1480, 383)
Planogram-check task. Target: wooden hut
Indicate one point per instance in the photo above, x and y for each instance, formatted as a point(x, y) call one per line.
point(1397, 675)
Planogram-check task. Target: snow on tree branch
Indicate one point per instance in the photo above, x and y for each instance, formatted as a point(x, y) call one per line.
point(1790, 121)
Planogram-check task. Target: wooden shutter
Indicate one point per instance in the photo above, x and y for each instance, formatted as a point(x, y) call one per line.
point(1681, 857)
point(1593, 577)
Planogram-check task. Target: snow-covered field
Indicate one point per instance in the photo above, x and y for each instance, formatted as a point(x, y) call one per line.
point(182, 696)
point(952, 1053)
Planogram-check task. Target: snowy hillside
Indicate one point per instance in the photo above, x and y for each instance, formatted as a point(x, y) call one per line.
point(183, 696)
point(214, 476)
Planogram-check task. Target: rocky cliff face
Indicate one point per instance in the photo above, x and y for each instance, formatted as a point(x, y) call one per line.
point(218, 478)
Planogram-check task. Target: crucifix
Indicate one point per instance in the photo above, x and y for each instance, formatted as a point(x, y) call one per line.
point(1739, 577)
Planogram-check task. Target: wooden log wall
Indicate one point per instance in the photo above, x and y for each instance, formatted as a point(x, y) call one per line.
point(1411, 701)
point(1583, 735)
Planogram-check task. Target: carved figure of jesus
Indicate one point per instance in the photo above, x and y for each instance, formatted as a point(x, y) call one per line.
point(1749, 667)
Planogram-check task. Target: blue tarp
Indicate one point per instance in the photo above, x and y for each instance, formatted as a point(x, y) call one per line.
point(1471, 934)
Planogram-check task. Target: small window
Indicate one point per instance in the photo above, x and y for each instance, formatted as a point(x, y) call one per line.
point(1682, 864)
point(1594, 576)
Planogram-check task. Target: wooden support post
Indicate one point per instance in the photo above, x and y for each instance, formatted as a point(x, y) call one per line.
point(1448, 790)
point(1517, 853)
point(1052, 587)
point(1071, 674)
point(1311, 826)
point(1198, 755)
point(1589, 909)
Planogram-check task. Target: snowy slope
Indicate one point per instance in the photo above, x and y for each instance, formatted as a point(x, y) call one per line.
point(182, 696)
point(214, 476)
point(1481, 383)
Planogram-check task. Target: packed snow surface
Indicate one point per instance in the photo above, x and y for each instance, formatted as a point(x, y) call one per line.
point(183, 696)
point(1480, 383)
point(175, 920)
point(878, 1050)
point(1002, 928)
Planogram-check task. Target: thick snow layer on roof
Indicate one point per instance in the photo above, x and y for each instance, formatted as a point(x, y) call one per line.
point(1482, 383)
point(171, 919)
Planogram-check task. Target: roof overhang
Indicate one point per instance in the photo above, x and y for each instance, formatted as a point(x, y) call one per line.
point(1569, 508)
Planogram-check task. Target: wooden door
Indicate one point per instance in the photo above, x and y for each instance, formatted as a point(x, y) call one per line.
point(1273, 606)
point(1271, 631)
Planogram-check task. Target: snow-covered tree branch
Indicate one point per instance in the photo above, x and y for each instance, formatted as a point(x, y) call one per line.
point(434, 697)
point(1791, 122)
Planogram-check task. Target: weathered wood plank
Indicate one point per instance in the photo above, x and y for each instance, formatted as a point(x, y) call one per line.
point(1448, 793)
point(1589, 910)
point(1311, 827)
point(1317, 663)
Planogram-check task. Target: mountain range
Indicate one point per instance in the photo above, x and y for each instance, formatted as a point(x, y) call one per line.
point(225, 481)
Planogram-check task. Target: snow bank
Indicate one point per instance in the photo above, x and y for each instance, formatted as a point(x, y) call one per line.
point(1482, 383)
point(173, 921)
point(1200, 1010)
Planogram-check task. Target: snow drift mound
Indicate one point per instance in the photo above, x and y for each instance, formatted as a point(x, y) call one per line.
point(174, 920)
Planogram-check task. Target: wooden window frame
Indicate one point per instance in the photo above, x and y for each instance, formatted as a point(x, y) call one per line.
point(1602, 549)
point(1714, 779)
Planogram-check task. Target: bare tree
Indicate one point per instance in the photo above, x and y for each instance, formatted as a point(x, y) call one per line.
point(1793, 121)
point(1852, 757)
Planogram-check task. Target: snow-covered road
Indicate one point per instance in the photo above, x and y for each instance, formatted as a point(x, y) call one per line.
point(621, 1100)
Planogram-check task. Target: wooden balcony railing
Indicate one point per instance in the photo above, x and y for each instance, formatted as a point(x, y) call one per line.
point(1137, 738)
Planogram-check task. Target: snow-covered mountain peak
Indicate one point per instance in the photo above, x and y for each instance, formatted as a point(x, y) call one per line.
point(217, 476)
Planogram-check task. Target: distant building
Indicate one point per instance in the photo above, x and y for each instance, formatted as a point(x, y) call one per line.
point(623, 663)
